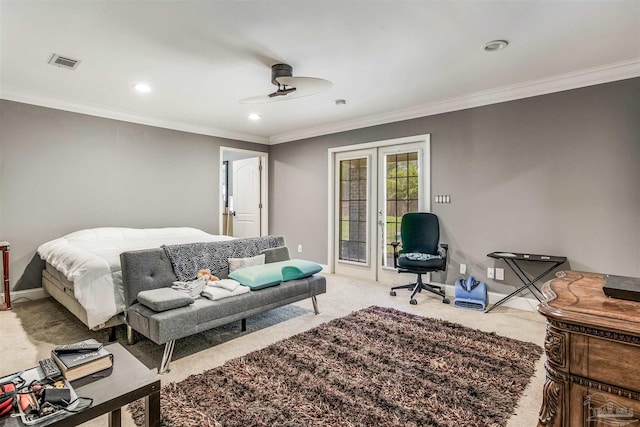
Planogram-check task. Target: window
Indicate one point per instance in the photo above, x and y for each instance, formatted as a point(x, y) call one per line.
point(353, 210)
point(401, 181)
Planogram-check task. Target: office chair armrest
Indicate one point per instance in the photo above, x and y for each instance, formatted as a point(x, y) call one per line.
point(444, 250)
point(395, 253)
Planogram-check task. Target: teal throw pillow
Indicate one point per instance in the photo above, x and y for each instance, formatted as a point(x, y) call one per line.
point(298, 269)
point(257, 276)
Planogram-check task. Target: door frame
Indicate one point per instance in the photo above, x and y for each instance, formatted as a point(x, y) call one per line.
point(264, 187)
point(424, 206)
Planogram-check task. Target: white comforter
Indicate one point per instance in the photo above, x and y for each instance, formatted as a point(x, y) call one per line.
point(91, 260)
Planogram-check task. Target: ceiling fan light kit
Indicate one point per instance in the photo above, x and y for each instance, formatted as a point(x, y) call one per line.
point(289, 87)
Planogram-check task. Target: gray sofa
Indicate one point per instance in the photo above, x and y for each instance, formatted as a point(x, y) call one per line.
point(149, 269)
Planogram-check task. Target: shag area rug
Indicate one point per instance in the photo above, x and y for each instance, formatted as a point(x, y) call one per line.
point(374, 367)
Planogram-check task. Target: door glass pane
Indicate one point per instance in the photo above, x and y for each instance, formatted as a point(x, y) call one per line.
point(353, 210)
point(401, 195)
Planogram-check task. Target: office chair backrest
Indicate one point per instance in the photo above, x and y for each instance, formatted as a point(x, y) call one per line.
point(420, 232)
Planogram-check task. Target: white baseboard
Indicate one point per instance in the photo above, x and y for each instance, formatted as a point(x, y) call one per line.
point(27, 294)
point(520, 303)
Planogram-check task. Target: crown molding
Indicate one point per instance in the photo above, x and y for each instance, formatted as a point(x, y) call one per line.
point(14, 95)
point(588, 77)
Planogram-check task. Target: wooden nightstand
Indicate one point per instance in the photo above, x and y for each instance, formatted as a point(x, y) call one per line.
point(4, 247)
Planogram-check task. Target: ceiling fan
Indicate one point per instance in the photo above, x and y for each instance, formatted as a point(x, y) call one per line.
point(289, 87)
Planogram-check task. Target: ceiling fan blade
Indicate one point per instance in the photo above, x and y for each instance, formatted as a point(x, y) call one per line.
point(260, 99)
point(282, 92)
point(279, 95)
point(296, 87)
point(305, 85)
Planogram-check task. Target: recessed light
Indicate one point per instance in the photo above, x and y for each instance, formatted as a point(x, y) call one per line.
point(495, 45)
point(254, 116)
point(142, 87)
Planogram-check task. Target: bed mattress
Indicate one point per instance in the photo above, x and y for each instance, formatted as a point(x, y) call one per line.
point(89, 262)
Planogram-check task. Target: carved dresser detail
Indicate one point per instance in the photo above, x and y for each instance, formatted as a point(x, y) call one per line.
point(593, 355)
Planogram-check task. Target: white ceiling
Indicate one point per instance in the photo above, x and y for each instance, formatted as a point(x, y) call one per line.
point(389, 59)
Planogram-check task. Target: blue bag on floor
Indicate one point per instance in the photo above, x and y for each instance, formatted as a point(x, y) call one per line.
point(471, 294)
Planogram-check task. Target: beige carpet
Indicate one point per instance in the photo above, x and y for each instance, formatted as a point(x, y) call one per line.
point(32, 328)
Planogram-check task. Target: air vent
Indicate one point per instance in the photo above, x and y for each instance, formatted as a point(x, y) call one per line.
point(64, 61)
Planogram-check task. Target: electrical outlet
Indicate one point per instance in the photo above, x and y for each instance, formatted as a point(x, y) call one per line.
point(299, 248)
point(463, 268)
point(499, 273)
point(490, 273)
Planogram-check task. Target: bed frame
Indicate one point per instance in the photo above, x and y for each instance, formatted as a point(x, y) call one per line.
point(61, 289)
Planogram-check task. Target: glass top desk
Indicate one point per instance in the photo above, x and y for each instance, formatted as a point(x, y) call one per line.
point(130, 380)
point(512, 259)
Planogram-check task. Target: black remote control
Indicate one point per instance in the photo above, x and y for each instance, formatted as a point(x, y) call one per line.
point(50, 369)
point(78, 347)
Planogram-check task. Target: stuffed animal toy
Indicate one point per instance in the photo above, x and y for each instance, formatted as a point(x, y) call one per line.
point(206, 274)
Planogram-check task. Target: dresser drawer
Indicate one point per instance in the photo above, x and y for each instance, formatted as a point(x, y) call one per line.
point(596, 408)
point(610, 362)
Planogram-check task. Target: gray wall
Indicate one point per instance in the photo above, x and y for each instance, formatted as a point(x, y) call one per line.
point(556, 174)
point(553, 174)
point(61, 172)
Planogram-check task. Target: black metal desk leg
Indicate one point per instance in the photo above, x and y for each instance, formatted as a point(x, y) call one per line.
point(528, 282)
point(115, 419)
point(525, 280)
point(152, 409)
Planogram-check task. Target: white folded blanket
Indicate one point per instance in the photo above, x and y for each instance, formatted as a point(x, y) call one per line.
point(228, 284)
point(214, 293)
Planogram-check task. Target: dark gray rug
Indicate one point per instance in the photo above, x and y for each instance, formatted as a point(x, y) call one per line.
point(374, 367)
point(46, 322)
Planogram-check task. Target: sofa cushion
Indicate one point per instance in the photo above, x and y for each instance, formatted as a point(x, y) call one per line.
point(205, 314)
point(164, 299)
point(236, 263)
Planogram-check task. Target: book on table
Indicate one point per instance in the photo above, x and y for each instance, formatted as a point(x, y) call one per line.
point(80, 364)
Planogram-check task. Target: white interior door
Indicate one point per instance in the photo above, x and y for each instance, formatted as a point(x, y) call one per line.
point(373, 188)
point(246, 197)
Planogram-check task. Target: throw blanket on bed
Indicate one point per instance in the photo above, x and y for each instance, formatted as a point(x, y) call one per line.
point(189, 258)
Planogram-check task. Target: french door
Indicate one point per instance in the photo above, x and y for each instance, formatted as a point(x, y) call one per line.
point(373, 188)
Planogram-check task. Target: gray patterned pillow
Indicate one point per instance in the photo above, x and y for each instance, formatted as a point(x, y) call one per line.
point(236, 263)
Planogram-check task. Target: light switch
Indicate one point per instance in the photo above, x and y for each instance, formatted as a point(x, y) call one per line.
point(490, 273)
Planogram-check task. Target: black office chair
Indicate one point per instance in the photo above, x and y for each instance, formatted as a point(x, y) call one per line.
point(420, 235)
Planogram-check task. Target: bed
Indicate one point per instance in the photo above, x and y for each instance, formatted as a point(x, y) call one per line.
point(83, 273)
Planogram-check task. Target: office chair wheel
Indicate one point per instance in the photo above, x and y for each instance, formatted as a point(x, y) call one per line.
point(413, 302)
point(392, 293)
point(446, 301)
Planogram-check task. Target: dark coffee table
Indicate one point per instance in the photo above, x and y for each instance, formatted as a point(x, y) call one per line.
point(129, 381)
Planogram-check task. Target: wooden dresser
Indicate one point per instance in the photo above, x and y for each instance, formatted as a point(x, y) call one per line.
point(593, 354)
